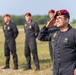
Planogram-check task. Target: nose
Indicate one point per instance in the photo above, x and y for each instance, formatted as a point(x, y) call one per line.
point(57, 18)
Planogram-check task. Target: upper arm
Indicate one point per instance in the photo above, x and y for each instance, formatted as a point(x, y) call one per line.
point(45, 34)
point(14, 28)
point(36, 27)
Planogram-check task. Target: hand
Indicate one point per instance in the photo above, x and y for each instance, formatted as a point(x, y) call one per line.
point(75, 72)
point(50, 23)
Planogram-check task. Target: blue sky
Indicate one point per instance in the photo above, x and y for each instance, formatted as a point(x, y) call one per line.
point(36, 7)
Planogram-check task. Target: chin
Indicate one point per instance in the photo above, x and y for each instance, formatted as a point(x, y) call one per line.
point(58, 25)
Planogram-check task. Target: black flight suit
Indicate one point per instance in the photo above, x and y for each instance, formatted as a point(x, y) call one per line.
point(31, 30)
point(64, 49)
point(10, 33)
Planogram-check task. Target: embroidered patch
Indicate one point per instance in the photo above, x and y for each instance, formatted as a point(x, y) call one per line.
point(54, 34)
point(52, 40)
point(65, 39)
point(59, 13)
point(8, 28)
point(4, 27)
point(30, 27)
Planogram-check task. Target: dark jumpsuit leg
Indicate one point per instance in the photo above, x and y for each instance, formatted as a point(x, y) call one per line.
point(6, 53)
point(27, 55)
point(33, 48)
point(12, 47)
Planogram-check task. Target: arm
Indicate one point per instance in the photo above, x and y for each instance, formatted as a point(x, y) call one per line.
point(3, 27)
point(74, 40)
point(25, 27)
point(36, 27)
point(15, 30)
point(44, 34)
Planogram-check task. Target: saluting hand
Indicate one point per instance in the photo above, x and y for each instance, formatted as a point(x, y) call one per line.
point(75, 72)
point(50, 23)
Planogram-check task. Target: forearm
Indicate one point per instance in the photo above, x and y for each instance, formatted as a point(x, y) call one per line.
point(16, 34)
point(44, 34)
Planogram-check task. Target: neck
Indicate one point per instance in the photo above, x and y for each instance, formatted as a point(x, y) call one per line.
point(65, 28)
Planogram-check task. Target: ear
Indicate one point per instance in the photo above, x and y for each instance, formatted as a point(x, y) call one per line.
point(67, 20)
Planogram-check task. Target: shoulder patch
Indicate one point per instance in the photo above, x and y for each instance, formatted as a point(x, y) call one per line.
point(4, 27)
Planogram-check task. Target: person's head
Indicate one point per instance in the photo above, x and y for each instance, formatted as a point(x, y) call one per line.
point(6, 18)
point(28, 17)
point(51, 13)
point(62, 18)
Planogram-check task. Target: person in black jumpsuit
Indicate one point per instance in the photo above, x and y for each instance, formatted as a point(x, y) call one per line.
point(31, 29)
point(10, 33)
point(63, 41)
point(51, 14)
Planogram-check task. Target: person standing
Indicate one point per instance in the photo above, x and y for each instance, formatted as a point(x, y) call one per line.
point(63, 42)
point(10, 33)
point(31, 29)
point(51, 14)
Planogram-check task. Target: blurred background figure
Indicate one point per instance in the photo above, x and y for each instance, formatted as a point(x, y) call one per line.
point(10, 34)
point(31, 29)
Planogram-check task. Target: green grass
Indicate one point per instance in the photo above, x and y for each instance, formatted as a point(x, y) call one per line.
point(43, 53)
point(73, 25)
point(22, 26)
point(41, 25)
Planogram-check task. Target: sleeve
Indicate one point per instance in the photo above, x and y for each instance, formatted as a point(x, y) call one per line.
point(3, 27)
point(74, 40)
point(15, 30)
point(44, 34)
point(75, 37)
point(25, 27)
point(36, 27)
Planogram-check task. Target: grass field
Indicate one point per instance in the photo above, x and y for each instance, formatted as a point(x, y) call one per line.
point(22, 26)
point(41, 25)
point(43, 52)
